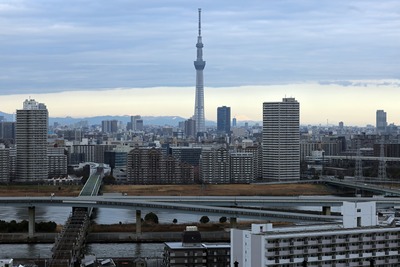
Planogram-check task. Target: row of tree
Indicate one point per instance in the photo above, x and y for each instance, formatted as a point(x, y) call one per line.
point(153, 218)
point(22, 226)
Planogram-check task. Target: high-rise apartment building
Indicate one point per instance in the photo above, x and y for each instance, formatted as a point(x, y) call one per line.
point(148, 165)
point(224, 119)
point(381, 121)
point(57, 162)
point(4, 164)
point(256, 151)
point(109, 126)
point(31, 142)
point(199, 65)
point(139, 125)
point(234, 122)
point(88, 153)
point(190, 128)
point(7, 132)
point(242, 168)
point(281, 140)
point(136, 123)
point(215, 165)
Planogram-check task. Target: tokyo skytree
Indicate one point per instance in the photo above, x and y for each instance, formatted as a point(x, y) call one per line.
point(199, 65)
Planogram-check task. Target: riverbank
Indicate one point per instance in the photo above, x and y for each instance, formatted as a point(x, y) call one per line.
point(295, 189)
point(114, 237)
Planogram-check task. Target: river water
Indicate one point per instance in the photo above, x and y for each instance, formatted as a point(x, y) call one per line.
point(103, 216)
point(144, 250)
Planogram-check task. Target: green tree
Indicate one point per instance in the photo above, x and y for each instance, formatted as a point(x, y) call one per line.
point(223, 219)
point(174, 220)
point(151, 217)
point(109, 179)
point(204, 219)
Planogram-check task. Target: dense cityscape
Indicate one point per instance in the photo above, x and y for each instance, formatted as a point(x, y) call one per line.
point(358, 169)
point(178, 154)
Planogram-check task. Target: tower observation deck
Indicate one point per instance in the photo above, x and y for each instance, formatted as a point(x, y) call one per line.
point(199, 65)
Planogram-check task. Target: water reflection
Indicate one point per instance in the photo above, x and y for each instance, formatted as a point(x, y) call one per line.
point(103, 216)
point(100, 250)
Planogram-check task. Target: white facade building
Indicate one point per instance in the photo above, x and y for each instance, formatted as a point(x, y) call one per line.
point(6, 262)
point(281, 140)
point(359, 241)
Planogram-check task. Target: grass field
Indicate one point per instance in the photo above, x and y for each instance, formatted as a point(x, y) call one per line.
point(220, 190)
point(173, 190)
point(39, 190)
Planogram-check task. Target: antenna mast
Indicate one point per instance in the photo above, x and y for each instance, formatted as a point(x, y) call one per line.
point(199, 21)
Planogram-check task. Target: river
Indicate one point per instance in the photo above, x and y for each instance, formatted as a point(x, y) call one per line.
point(101, 250)
point(103, 216)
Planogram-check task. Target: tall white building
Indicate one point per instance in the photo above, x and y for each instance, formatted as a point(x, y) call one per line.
point(359, 241)
point(31, 142)
point(281, 140)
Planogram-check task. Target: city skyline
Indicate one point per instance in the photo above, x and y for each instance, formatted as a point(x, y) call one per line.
point(354, 103)
point(116, 57)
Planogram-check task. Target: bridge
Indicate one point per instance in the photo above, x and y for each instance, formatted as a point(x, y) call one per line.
point(69, 243)
point(221, 206)
point(251, 207)
point(362, 185)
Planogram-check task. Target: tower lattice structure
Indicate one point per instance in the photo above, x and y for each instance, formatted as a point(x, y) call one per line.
point(199, 65)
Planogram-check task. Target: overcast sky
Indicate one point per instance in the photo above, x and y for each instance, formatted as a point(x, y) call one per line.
point(52, 46)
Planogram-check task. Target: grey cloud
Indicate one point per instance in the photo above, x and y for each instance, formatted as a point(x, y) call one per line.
point(51, 45)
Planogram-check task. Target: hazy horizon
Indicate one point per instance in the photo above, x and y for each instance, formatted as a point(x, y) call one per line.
point(354, 103)
point(339, 59)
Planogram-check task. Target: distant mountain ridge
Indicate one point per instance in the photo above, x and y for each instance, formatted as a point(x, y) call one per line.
point(7, 117)
point(147, 120)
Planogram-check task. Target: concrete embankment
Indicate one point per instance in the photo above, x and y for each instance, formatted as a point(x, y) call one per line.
point(116, 237)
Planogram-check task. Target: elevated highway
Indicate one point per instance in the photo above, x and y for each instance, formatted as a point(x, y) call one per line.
point(379, 189)
point(194, 205)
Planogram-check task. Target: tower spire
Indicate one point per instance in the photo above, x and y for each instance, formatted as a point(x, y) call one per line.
point(199, 65)
point(199, 21)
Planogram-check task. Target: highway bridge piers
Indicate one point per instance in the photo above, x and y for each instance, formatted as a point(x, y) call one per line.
point(233, 221)
point(326, 210)
point(138, 222)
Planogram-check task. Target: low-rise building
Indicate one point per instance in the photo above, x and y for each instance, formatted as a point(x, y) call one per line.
point(192, 252)
point(359, 241)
